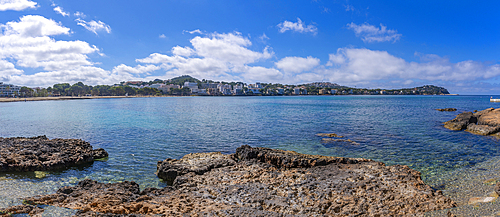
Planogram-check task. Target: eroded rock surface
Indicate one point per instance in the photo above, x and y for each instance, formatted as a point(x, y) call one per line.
point(447, 110)
point(485, 122)
point(261, 182)
point(42, 154)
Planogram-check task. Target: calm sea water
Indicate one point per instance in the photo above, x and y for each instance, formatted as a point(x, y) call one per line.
point(138, 132)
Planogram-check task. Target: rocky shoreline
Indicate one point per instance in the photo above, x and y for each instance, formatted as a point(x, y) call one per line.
point(23, 154)
point(485, 122)
point(256, 182)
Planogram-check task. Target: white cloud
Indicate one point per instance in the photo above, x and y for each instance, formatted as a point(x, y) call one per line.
point(349, 8)
point(162, 36)
point(370, 33)
point(27, 43)
point(60, 11)
point(33, 26)
point(16, 5)
point(94, 26)
point(299, 26)
point(297, 64)
point(89, 75)
point(358, 66)
point(139, 69)
point(79, 14)
point(193, 32)
point(262, 74)
point(216, 56)
point(264, 37)
point(182, 51)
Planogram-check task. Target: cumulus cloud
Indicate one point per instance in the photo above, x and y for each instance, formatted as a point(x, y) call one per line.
point(370, 33)
point(357, 66)
point(297, 64)
point(162, 36)
point(60, 11)
point(94, 26)
point(16, 5)
point(215, 56)
point(27, 43)
point(299, 26)
point(139, 69)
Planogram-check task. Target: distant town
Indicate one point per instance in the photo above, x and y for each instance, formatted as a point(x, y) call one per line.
point(188, 86)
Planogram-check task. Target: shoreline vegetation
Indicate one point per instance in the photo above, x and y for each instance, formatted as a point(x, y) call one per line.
point(189, 86)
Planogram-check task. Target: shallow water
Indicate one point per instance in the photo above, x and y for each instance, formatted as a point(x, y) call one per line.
point(138, 132)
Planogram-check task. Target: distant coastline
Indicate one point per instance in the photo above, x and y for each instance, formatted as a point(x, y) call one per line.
point(10, 99)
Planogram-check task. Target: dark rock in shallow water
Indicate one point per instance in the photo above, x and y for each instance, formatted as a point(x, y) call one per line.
point(41, 154)
point(460, 122)
point(485, 122)
point(30, 209)
point(447, 110)
point(261, 182)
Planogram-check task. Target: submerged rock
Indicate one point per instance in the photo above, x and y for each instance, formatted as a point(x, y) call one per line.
point(42, 154)
point(260, 182)
point(486, 122)
point(447, 110)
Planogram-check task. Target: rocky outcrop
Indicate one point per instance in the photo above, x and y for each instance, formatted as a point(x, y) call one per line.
point(447, 110)
point(42, 154)
point(486, 122)
point(20, 209)
point(260, 182)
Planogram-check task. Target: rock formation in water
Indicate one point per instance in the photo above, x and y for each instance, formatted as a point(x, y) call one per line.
point(42, 154)
point(260, 182)
point(447, 110)
point(486, 122)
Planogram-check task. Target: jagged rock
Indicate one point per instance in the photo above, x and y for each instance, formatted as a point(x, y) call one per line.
point(447, 110)
point(261, 182)
point(482, 129)
point(198, 163)
point(461, 121)
point(30, 209)
point(42, 154)
point(485, 122)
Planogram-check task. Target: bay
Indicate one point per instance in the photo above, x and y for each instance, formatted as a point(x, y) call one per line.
point(138, 132)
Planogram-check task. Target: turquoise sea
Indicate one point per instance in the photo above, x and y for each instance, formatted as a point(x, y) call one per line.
point(138, 132)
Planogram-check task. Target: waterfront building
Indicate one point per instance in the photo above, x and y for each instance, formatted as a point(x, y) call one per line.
point(191, 85)
point(238, 89)
point(281, 91)
point(296, 91)
point(224, 89)
point(8, 90)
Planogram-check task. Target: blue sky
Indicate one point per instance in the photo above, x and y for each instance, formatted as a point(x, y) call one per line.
point(382, 44)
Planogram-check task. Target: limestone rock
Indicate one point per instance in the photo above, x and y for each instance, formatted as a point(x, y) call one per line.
point(447, 110)
point(198, 163)
point(485, 122)
point(461, 121)
point(42, 154)
point(261, 182)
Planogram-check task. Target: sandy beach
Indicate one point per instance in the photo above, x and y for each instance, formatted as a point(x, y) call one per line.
point(67, 98)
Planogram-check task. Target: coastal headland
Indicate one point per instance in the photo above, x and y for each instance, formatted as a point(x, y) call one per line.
point(255, 182)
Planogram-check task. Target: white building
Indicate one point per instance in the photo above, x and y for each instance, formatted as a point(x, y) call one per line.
point(7, 90)
point(191, 85)
point(238, 89)
point(224, 89)
point(296, 91)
